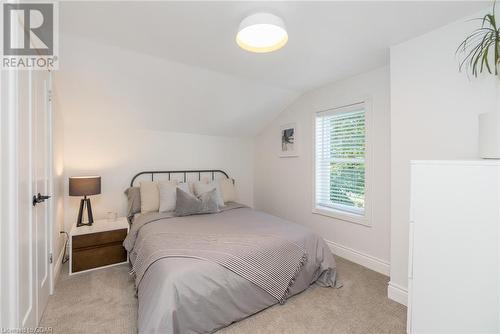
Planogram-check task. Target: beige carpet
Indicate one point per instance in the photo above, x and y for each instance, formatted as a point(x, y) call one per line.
point(103, 301)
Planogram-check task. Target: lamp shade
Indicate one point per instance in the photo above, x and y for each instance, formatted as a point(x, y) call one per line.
point(84, 185)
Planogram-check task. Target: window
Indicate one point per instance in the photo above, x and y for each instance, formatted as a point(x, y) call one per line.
point(340, 160)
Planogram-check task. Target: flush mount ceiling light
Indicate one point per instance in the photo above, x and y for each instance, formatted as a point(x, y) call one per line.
point(261, 33)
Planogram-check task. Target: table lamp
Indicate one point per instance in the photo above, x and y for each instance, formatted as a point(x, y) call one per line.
point(84, 186)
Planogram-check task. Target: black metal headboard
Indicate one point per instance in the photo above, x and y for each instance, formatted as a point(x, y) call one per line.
point(183, 172)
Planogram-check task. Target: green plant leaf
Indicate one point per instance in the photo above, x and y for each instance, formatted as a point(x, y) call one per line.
point(475, 50)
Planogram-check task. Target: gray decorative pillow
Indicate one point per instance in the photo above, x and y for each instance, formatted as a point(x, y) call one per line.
point(134, 201)
point(188, 204)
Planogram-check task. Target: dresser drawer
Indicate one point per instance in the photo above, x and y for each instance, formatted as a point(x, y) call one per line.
point(98, 256)
point(100, 238)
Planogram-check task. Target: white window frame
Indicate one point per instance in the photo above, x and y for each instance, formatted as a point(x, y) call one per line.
point(362, 219)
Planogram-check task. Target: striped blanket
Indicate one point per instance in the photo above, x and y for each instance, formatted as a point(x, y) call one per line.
point(268, 261)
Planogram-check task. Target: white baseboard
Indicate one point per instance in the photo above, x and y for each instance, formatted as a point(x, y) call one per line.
point(360, 258)
point(397, 293)
point(58, 265)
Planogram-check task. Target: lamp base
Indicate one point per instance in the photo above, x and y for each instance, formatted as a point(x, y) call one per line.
point(85, 202)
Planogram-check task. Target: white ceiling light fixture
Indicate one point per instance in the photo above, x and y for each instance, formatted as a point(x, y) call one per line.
point(262, 33)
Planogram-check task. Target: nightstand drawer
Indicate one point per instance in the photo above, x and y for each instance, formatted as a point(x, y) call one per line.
point(96, 239)
point(98, 245)
point(98, 256)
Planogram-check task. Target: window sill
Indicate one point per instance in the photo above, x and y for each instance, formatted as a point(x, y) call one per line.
point(342, 215)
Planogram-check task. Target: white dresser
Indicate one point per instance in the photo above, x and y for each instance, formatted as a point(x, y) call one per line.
point(454, 271)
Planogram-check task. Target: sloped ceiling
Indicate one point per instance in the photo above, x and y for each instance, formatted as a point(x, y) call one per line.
point(175, 66)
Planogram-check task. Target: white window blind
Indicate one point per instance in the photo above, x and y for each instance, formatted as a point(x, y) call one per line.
point(340, 159)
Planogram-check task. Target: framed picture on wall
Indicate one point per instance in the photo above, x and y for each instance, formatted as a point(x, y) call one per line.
point(288, 146)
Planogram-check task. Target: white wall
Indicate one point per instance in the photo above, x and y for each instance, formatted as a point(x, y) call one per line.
point(283, 186)
point(118, 153)
point(434, 112)
point(116, 108)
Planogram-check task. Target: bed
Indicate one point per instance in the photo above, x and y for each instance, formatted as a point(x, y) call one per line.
point(199, 273)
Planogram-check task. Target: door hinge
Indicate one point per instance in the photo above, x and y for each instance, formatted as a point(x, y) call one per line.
point(50, 258)
point(49, 95)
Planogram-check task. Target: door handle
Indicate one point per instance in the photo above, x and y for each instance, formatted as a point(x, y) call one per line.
point(39, 198)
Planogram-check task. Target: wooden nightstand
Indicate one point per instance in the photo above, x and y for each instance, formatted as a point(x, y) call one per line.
point(97, 246)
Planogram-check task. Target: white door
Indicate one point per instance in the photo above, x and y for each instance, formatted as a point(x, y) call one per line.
point(27, 299)
point(41, 176)
point(34, 119)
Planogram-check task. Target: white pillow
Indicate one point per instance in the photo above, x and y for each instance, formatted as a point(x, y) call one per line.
point(167, 191)
point(150, 196)
point(201, 188)
point(184, 186)
point(227, 190)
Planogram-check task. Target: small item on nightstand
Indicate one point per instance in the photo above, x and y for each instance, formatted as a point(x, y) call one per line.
point(111, 216)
